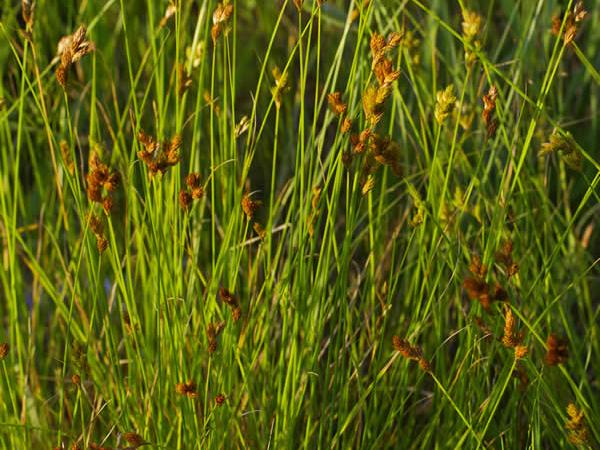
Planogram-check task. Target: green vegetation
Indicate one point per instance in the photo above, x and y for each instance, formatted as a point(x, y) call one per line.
point(299, 224)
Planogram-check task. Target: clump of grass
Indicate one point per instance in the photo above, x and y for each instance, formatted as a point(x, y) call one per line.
point(317, 176)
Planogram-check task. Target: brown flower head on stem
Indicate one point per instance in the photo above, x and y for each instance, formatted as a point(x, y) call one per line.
point(71, 49)
point(410, 352)
point(337, 106)
point(220, 18)
point(250, 206)
point(557, 350)
point(212, 333)
point(220, 399)
point(158, 157)
point(4, 349)
point(134, 439)
point(187, 388)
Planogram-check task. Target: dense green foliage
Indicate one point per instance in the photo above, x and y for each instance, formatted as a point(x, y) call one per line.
point(253, 305)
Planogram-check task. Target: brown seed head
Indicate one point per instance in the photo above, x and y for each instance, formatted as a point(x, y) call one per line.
point(220, 399)
point(185, 199)
point(188, 389)
point(250, 206)
point(557, 350)
point(338, 107)
point(134, 439)
point(4, 349)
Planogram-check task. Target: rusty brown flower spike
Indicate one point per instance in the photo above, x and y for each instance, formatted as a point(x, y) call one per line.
point(337, 106)
point(572, 20)
point(411, 352)
point(4, 349)
point(250, 206)
point(71, 49)
point(134, 439)
point(489, 106)
point(27, 10)
point(557, 350)
point(194, 184)
point(212, 332)
point(220, 17)
point(158, 157)
point(232, 301)
point(220, 399)
point(98, 229)
point(101, 179)
point(187, 389)
point(512, 338)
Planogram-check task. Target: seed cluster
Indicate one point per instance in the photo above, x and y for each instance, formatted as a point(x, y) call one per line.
point(158, 157)
point(71, 49)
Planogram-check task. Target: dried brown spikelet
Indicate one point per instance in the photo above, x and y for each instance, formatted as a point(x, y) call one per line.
point(94, 446)
point(578, 433)
point(259, 230)
point(557, 350)
point(511, 338)
point(76, 379)
point(359, 141)
point(489, 106)
point(410, 352)
point(346, 125)
point(386, 152)
point(384, 71)
point(475, 288)
point(250, 206)
point(27, 11)
point(71, 49)
point(212, 333)
point(101, 243)
point(100, 178)
point(220, 399)
point(107, 205)
point(134, 439)
point(158, 157)
point(196, 190)
point(4, 349)
point(521, 351)
point(571, 23)
point(232, 301)
point(372, 102)
point(185, 199)
point(337, 106)
point(220, 18)
point(187, 388)
point(298, 4)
